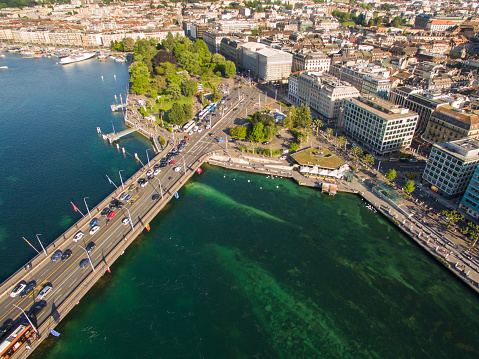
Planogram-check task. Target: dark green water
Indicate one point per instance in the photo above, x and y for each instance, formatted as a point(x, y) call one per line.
point(268, 269)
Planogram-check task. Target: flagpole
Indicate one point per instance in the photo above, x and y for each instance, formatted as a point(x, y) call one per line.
point(31, 245)
point(84, 200)
point(75, 208)
point(26, 316)
point(44, 251)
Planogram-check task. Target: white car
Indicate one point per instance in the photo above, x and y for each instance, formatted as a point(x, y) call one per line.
point(208, 127)
point(78, 236)
point(282, 157)
point(190, 133)
point(123, 196)
point(94, 229)
point(44, 292)
point(18, 289)
point(125, 221)
point(149, 172)
point(157, 171)
point(199, 130)
point(196, 128)
point(177, 169)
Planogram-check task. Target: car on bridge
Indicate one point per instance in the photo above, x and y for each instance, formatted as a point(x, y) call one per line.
point(105, 211)
point(132, 187)
point(123, 196)
point(94, 222)
point(6, 327)
point(143, 182)
point(28, 289)
point(18, 289)
point(84, 262)
point(94, 229)
point(113, 203)
point(45, 291)
point(90, 247)
point(128, 198)
point(111, 215)
point(125, 221)
point(177, 169)
point(155, 196)
point(171, 163)
point(67, 254)
point(157, 171)
point(78, 236)
point(149, 172)
point(57, 255)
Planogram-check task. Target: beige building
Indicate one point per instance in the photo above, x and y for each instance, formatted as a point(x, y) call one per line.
point(310, 61)
point(448, 124)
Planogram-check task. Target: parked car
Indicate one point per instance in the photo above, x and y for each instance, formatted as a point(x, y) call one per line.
point(45, 291)
point(18, 289)
point(28, 289)
point(128, 198)
point(78, 236)
point(113, 203)
point(67, 254)
point(266, 143)
point(57, 255)
point(282, 157)
point(155, 167)
point(155, 196)
point(132, 187)
point(157, 171)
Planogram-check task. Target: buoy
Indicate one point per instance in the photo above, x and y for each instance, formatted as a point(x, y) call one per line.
point(277, 186)
point(117, 146)
point(248, 181)
point(261, 188)
point(123, 149)
point(102, 78)
point(234, 179)
point(114, 76)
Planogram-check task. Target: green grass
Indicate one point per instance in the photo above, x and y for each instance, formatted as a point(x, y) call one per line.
point(313, 156)
point(348, 23)
point(166, 105)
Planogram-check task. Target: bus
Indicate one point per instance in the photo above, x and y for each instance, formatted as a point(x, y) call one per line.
point(15, 340)
point(203, 113)
point(189, 126)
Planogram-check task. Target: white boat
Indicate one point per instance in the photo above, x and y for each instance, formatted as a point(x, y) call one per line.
point(76, 58)
point(3, 67)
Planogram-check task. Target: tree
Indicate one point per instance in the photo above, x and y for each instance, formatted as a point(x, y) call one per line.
point(409, 187)
point(368, 159)
point(189, 87)
point(238, 132)
point(174, 91)
point(356, 151)
point(451, 217)
point(329, 132)
point(269, 132)
point(128, 44)
point(176, 114)
point(257, 134)
point(318, 124)
point(162, 141)
point(293, 147)
point(169, 42)
point(303, 116)
point(341, 140)
point(288, 121)
point(139, 78)
point(229, 69)
point(391, 174)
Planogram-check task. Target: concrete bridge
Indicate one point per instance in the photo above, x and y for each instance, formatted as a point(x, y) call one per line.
point(112, 137)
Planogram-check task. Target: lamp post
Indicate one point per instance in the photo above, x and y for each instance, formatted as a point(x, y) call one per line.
point(184, 163)
point(26, 316)
point(44, 251)
point(147, 157)
point(84, 200)
point(129, 216)
point(121, 179)
point(88, 255)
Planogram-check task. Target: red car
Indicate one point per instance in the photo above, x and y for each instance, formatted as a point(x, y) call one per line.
point(172, 162)
point(111, 215)
point(187, 137)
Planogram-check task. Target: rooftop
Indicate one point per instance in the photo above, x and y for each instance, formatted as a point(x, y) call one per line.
point(465, 148)
point(317, 157)
point(382, 108)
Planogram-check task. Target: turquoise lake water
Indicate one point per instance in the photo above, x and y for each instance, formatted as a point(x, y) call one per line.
point(240, 266)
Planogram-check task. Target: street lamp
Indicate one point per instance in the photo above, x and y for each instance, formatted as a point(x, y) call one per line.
point(129, 216)
point(84, 200)
point(121, 179)
point(184, 163)
point(44, 251)
point(161, 190)
point(88, 255)
point(26, 316)
point(147, 157)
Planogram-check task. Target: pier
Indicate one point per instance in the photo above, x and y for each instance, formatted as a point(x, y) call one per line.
point(115, 136)
point(118, 107)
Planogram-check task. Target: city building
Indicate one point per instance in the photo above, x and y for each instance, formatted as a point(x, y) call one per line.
point(310, 61)
point(213, 39)
point(267, 64)
point(379, 125)
point(321, 92)
point(450, 166)
point(470, 202)
point(231, 50)
point(417, 100)
point(448, 123)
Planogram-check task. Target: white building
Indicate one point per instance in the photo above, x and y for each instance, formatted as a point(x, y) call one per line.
point(266, 63)
point(310, 61)
point(451, 165)
point(379, 125)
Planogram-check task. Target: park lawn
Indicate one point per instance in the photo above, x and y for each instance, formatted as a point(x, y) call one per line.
point(166, 105)
point(313, 157)
point(348, 23)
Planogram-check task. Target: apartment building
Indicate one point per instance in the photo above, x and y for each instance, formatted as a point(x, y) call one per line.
point(321, 92)
point(310, 61)
point(470, 202)
point(451, 165)
point(231, 50)
point(213, 39)
point(379, 125)
point(448, 123)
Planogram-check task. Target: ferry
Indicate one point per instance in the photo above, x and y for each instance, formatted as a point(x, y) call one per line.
point(3, 67)
point(76, 58)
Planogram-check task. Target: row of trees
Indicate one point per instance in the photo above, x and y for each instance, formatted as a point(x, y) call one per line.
point(343, 16)
point(261, 127)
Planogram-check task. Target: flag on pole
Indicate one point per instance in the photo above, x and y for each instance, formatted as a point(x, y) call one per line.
point(147, 227)
point(54, 333)
point(199, 170)
point(109, 180)
point(177, 195)
point(31, 245)
point(75, 208)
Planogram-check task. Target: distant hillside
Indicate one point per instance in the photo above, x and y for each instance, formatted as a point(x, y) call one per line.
point(28, 3)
